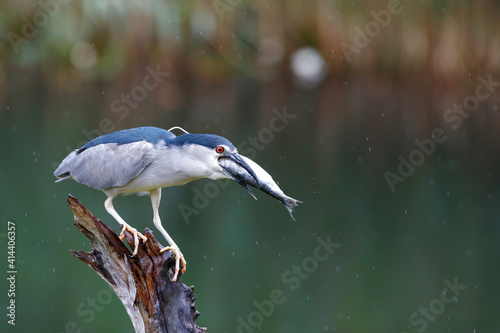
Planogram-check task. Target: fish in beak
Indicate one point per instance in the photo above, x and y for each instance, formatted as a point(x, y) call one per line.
point(246, 172)
point(236, 168)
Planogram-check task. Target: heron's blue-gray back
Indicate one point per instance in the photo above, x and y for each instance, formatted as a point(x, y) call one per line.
point(146, 133)
point(113, 159)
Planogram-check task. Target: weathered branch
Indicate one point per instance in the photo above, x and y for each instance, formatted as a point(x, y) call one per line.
point(143, 283)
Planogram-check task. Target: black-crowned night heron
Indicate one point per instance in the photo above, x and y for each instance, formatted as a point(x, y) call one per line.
point(145, 159)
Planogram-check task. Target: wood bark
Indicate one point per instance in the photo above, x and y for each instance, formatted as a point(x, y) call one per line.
point(143, 283)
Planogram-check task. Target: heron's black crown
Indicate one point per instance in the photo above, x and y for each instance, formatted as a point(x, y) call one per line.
point(207, 140)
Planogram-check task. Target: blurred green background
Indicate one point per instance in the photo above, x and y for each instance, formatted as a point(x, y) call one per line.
point(359, 81)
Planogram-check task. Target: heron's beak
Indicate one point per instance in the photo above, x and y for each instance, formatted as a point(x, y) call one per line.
point(239, 170)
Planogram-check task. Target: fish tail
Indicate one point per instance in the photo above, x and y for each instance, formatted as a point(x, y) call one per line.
point(289, 204)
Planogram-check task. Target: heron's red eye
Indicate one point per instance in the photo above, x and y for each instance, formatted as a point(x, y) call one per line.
point(219, 150)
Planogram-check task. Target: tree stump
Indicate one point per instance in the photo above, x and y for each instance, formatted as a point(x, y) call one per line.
point(143, 283)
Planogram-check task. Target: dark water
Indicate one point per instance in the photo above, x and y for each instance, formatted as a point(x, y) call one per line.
point(358, 258)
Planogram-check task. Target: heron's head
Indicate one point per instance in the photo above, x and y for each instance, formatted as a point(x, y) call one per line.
point(208, 153)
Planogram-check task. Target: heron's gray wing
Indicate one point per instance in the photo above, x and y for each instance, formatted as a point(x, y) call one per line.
point(107, 165)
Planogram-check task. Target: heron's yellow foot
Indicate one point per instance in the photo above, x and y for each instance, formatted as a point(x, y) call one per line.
point(179, 257)
point(136, 236)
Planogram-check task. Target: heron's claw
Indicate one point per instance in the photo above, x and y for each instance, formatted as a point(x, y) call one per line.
point(178, 258)
point(136, 237)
